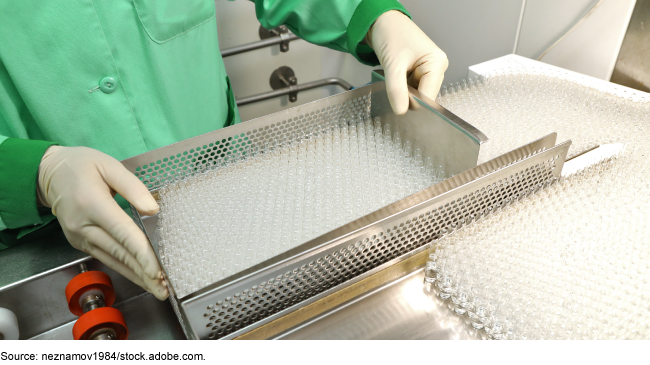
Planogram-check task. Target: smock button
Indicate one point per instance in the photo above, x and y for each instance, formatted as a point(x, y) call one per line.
point(108, 85)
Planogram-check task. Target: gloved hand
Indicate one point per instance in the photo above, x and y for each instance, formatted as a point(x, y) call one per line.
point(79, 184)
point(407, 55)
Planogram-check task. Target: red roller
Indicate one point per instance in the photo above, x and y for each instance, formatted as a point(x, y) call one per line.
point(82, 283)
point(98, 319)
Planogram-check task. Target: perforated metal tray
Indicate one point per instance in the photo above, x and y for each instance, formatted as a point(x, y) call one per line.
point(347, 254)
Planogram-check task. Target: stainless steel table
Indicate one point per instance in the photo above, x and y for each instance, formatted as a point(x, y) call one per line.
point(402, 310)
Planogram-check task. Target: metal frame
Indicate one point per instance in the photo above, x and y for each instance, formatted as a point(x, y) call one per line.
point(452, 142)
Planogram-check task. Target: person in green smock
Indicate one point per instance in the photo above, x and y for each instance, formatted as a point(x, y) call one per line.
point(85, 83)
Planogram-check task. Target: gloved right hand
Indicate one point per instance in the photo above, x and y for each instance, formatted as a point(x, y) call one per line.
point(79, 184)
point(408, 56)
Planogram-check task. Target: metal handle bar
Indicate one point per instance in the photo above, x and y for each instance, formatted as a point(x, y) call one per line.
point(282, 38)
point(294, 88)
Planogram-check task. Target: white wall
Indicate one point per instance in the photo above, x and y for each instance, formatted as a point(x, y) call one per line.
point(591, 49)
point(469, 31)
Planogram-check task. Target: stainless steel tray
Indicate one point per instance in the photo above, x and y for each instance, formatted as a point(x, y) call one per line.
point(347, 254)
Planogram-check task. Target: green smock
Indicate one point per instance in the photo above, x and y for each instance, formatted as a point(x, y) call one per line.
point(128, 76)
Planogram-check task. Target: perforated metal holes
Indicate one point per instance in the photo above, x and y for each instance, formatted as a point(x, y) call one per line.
point(157, 173)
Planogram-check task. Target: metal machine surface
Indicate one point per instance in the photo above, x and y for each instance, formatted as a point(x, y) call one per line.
point(631, 69)
point(35, 275)
point(400, 310)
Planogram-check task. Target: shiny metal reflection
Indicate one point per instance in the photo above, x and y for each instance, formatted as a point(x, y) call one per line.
point(403, 309)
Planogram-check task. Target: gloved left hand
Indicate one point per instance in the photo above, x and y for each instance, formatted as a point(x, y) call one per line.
point(79, 184)
point(407, 56)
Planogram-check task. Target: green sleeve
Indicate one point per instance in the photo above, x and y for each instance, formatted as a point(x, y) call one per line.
point(338, 24)
point(2, 224)
point(19, 161)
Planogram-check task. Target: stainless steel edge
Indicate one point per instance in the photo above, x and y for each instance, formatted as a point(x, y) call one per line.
point(45, 273)
point(145, 158)
point(453, 119)
point(440, 139)
point(26, 262)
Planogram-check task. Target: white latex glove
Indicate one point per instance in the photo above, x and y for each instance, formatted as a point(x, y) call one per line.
point(406, 55)
point(79, 184)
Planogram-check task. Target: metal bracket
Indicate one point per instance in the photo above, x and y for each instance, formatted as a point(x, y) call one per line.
point(284, 77)
point(281, 31)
